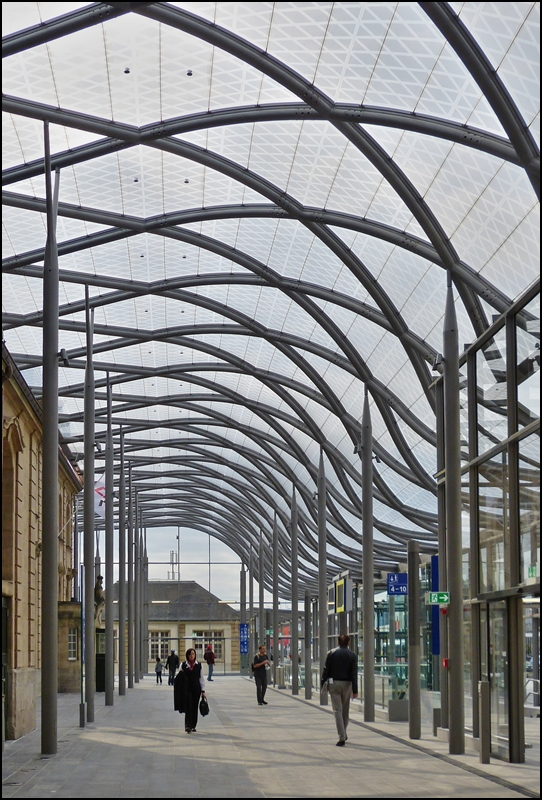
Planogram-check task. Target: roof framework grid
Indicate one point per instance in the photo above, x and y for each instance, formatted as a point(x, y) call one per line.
point(259, 254)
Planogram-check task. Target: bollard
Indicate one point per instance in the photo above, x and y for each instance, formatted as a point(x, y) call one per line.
point(436, 720)
point(485, 721)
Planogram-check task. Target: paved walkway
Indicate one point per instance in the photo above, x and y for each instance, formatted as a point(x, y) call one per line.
point(138, 748)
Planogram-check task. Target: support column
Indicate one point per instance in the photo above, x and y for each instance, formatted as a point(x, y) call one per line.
point(75, 589)
point(137, 594)
point(368, 563)
point(243, 657)
point(49, 494)
point(251, 632)
point(275, 599)
point(122, 572)
point(322, 578)
point(414, 641)
point(262, 609)
point(294, 637)
point(442, 556)
point(145, 637)
point(88, 518)
point(453, 526)
point(109, 537)
point(308, 634)
point(131, 594)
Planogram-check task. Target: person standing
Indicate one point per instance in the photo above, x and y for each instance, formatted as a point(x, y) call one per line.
point(209, 657)
point(341, 672)
point(172, 664)
point(261, 667)
point(188, 687)
point(158, 669)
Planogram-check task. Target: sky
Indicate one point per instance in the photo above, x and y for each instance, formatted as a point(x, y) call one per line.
point(223, 574)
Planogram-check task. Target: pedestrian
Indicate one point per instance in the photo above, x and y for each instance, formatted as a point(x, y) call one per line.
point(341, 673)
point(158, 669)
point(261, 668)
point(209, 657)
point(172, 664)
point(188, 687)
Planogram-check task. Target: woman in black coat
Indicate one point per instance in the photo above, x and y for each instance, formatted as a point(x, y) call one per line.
point(188, 687)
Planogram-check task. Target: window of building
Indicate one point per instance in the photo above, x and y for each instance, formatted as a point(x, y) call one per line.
point(72, 644)
point(158, 645)
point(214, 638)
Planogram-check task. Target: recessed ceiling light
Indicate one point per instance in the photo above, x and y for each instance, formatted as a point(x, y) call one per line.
point(127, 71)
point(186, 180)
point(136, 180)
point(189, 73)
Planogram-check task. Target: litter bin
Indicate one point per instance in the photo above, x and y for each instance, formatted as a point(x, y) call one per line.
point(280, 678)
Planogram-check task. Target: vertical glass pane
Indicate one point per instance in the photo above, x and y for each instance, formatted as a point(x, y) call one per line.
point(529, 508)
point(467, 675)
point(493, 522)
point(528, 362)
point(464, 413)
point(498, 678)
point(491, 396)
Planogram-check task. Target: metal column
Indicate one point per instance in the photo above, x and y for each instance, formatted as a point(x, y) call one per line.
point(88, 519)
point(131, 596)
point(243, 657)
point(294, 637)
point(442, 556)
point(122, 572)
point(49, 494)
point(275, 599)
point(414, 641)
point(109, 538)
point(137, 594)
point(145, 635)
point(251, 632)
point(322, 577)
point(367, 563)
point(308, 635)
point(261, 603)
point(456, 713)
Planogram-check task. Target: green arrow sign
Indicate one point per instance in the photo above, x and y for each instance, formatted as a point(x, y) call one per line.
point(439, 598)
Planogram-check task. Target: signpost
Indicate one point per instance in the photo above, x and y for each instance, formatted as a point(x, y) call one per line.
point(243, 638)
point(438, 598)
point(397, 583)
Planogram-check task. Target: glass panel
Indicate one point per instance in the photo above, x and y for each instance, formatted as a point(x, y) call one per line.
point(528, 362)
point(491, 398)
point(529, 508)
point(464, 413)
point(493, 522)
point(498, 678)
point(467, 674)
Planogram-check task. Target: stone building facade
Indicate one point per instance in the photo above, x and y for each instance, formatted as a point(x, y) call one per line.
point(22, 544)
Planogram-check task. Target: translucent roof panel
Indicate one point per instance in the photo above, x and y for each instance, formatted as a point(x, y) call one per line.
point(264, 203)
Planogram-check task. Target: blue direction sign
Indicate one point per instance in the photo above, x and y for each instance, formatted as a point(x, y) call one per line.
point(243, 638)
point(397, 583)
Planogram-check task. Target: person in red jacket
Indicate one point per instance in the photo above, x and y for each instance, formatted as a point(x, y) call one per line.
point(209, 657)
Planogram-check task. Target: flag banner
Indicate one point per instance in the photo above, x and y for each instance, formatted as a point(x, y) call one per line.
point(99, 497)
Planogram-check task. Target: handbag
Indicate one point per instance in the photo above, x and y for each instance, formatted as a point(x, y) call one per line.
point(203, 707)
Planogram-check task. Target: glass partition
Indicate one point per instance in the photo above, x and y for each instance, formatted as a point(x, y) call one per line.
point(493, 522)
point(492, 404)
point(529, 508)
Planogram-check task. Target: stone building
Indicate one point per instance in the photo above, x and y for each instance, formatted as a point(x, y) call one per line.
point(183, 614)
point(21, 550)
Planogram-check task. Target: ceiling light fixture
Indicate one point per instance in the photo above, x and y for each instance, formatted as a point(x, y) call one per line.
point(189, 73)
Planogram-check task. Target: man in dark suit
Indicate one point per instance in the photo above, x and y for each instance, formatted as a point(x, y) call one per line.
point(341, 672)
point(172, 664)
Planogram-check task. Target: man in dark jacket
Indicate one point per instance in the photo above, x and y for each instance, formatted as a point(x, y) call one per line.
point(172, 664)
point(341, 672)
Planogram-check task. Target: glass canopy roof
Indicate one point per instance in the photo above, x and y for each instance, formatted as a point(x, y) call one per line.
point(265, 200)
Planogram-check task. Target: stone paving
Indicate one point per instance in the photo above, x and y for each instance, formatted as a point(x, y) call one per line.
point(138, 748)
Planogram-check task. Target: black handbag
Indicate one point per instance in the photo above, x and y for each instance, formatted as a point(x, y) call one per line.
point(203, 707)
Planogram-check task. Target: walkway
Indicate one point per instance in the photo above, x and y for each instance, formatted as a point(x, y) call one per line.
point(138, 748)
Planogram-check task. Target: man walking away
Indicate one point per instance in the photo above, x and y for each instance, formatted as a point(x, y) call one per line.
point(341, 672)
point(209, 657)
point(172, 664)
